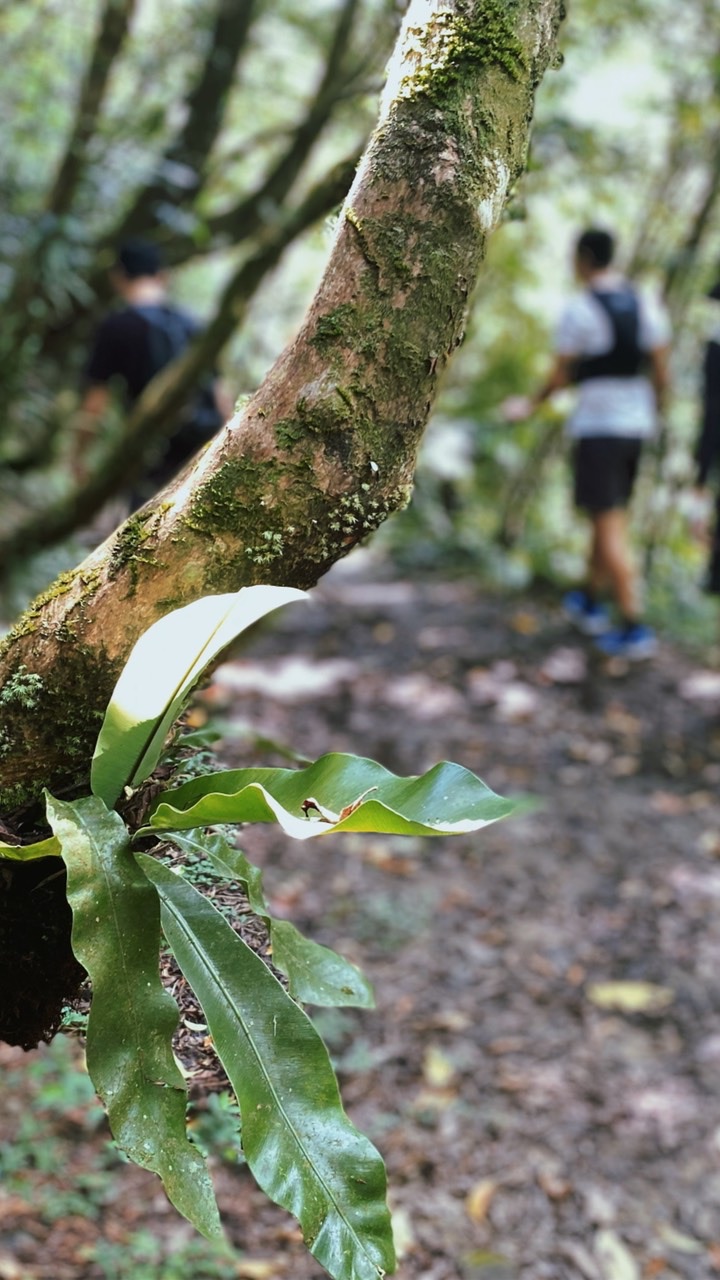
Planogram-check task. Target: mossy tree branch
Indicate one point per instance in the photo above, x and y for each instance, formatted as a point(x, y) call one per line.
point(326, 448)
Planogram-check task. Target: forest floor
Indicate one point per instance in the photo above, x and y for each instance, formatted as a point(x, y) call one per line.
point(542, 1071)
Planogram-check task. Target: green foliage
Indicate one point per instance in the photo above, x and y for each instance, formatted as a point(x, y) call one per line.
point(295, 1136)
point(299, 1144)
point(116, 936)
point(161, 672)
point(336, 793)
point(315, 974)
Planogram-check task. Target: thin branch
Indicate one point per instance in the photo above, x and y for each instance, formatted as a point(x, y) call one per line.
point(187, 154)
point(245, 219)
point(114, 25)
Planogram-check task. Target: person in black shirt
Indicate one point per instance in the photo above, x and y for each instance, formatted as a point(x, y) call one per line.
point(130, 347)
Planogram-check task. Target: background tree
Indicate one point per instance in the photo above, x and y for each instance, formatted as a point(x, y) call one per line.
point(169, 137)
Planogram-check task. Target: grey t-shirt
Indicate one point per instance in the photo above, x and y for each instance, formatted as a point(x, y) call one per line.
point(610, 406)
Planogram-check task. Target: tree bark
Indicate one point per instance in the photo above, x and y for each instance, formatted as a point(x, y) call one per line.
point(325, 450)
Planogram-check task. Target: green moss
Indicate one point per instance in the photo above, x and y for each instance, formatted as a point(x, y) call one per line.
point(356, 515)
point(455, 47)
point(288, 431)
point(28, 623)
point(221, 502)
point(333, 325)
point(60, 725)
point(22, 690)
point(127, 548)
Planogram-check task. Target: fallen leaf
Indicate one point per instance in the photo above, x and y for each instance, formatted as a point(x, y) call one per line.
point(630, 997)
point(622, 722)
point(481, 1265)
point(654, 1267)
point(555, 1186)
point(9, 1269)
point(709, 843)
point(403, 1234)
point(526, 624)
point(259, 1268)
point(714, 1256)
point(478, 1199)
point(429, 1101)
point(438, 1070)
point(678, 1241)
point(701, 686)
point(591, 752)
point(565, 666)
point(615, 1259)
point(576, 975)
point(624, 766)
point(668, 803)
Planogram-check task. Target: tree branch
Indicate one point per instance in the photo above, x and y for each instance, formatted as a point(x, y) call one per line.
point(326, 448)
point(114, 25)
point(180, 174)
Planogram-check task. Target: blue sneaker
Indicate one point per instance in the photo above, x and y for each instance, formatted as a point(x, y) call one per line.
point(635, 642)
point(587, 615)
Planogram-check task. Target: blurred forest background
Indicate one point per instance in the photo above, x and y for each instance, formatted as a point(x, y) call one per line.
point(229, 134)
point(228, 131)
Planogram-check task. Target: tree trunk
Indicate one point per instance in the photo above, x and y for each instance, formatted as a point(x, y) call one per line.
point(325, 451)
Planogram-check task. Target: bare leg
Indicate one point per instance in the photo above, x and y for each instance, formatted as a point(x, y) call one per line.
point(610, 561)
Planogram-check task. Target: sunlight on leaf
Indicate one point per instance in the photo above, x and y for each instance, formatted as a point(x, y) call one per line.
point(161, 672)
point(49, 848)
point(339, 793)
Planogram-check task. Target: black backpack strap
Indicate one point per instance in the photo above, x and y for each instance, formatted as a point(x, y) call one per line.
point(626, 358)
point(169, 332)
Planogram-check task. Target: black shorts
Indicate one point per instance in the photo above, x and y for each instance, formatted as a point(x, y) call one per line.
point(605, 468)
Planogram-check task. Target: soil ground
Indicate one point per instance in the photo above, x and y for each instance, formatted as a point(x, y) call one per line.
point(542, 1072)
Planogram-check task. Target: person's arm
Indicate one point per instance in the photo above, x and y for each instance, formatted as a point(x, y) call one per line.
point(519, 408)
point(85, 426)
point(559, 377)
point(224, 402)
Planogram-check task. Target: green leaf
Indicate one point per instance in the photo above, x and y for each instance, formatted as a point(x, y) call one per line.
point(116, 936)
point(298, 1142)
point(348, 794)
point(161, 672)
point(315, 974)
point(29, 852)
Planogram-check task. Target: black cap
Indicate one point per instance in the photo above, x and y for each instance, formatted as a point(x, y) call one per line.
point(139, 258)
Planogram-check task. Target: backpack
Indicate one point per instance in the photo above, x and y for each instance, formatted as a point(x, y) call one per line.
point(626, 358)
point(170, 331)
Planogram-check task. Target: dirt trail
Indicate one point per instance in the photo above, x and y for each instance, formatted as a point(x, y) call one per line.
point(536, 1121)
